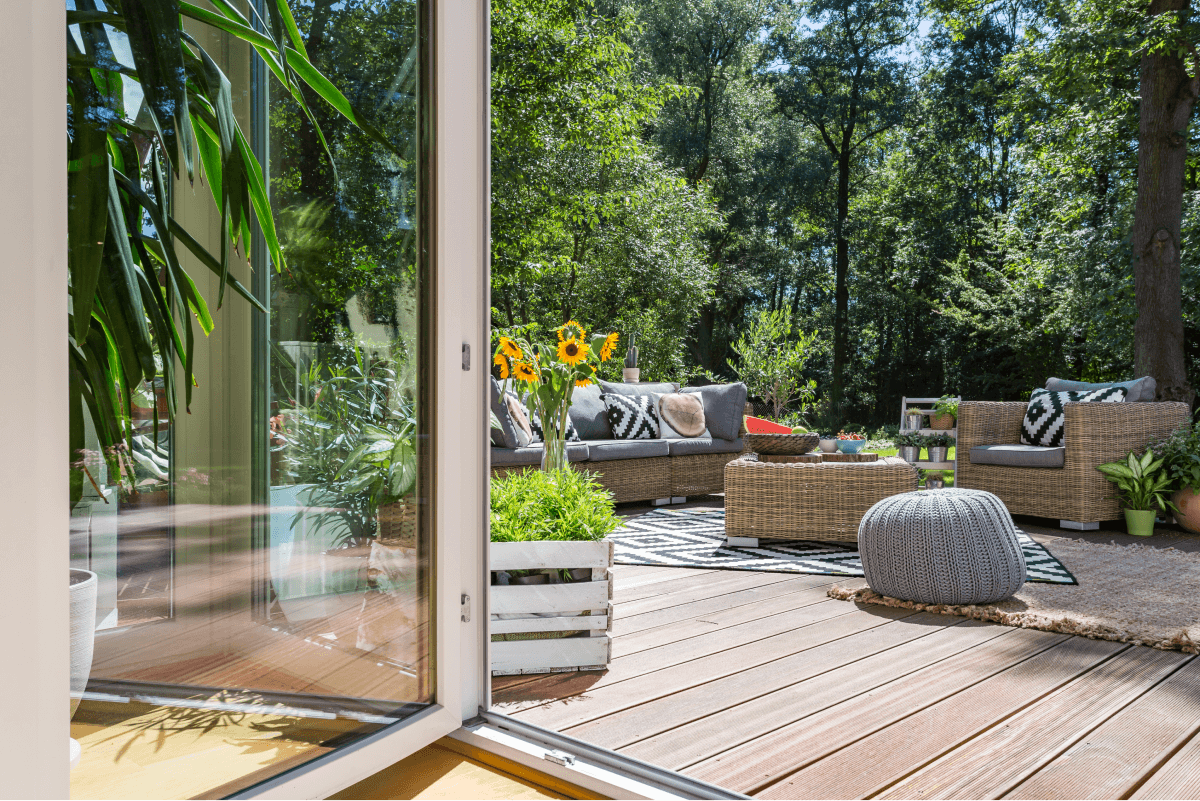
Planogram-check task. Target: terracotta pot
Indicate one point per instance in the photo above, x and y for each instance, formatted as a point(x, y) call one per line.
point(1187, 501)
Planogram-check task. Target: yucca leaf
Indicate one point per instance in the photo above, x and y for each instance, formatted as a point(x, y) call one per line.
point(155, 38)
point(209, 261)
point(87, 202)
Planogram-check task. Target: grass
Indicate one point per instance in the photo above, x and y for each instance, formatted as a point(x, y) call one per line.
point(949, 476)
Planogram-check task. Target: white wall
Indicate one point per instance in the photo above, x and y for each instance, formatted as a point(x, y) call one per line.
point(33, 401)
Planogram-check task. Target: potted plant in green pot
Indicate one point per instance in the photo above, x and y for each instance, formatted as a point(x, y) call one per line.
point(910, 444)
point(1143, 487)
point(1180, 453)
point(551, 581)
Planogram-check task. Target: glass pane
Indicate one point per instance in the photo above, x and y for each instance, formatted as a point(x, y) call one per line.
point(263, 561)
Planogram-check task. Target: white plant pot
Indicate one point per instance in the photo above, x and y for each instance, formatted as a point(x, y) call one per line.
point(631, 374)
point(84, 587)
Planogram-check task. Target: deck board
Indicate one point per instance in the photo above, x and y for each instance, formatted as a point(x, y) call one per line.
point(755, 682)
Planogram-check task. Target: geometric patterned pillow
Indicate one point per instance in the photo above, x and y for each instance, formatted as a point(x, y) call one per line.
point(632, 416)
point(1044, 417)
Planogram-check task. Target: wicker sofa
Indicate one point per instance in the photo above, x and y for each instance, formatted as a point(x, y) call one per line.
point(637, 470)
point(1075, 493)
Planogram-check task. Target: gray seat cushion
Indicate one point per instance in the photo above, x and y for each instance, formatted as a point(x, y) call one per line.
point(1018, 455)
point(641, 388)
point(1139, 390)
point(610, 450)
point(695, 445)
point(587, 413)
point(532, 455)
point(724, 405)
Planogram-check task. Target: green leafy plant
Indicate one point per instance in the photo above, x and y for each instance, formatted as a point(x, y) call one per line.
point(559, 505)
point(133, 306)
point(771, 359)
point(939, 441)
point(915, 410)
point(1180, 453)
point(910, 440)
point(1142, 483)
point(383, 466)
point(946, 405)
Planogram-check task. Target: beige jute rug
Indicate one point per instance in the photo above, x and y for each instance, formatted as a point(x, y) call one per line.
point(1126, 593)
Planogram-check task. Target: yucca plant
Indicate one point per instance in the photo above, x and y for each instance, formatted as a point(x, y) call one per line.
point(133, 306)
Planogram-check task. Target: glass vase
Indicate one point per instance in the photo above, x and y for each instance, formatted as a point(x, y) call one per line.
point(554, 454)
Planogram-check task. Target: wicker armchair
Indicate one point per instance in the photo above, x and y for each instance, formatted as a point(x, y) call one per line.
point(1094, 433)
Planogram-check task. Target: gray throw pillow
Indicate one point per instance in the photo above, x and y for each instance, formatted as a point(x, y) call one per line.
point(1139, 390)
point(506, 435)
point(587, 412)
point(723, 408)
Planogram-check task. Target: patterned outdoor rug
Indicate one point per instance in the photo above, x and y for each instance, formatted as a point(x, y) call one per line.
point(696, 538)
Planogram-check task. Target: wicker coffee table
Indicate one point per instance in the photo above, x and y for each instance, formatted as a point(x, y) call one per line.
point(807, 500)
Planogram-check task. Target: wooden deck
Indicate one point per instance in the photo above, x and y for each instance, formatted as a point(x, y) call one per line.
point(759, 683)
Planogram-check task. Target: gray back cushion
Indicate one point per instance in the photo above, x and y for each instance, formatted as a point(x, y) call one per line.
point(723, 408)
point(1139, 390)
point(587, 413)
point(506, 435)
point(641, 388)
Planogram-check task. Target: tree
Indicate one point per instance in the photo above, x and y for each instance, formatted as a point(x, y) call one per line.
point(771, 360)
point(841, 75)
point(1168, 95)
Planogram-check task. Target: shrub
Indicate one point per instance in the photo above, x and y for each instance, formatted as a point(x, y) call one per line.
point(1180, 453)
point(561, 505)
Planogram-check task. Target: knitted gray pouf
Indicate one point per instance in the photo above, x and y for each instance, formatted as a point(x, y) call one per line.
point(946, 546)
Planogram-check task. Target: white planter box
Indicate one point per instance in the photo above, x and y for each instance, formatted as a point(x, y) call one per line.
point(552, 608)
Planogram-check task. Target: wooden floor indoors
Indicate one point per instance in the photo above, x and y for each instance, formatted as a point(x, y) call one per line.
point(760, 683)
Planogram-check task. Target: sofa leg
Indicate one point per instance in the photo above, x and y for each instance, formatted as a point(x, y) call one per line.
point(660, 502)
point(1076, 526)
point(678, 499)
point(742, 542)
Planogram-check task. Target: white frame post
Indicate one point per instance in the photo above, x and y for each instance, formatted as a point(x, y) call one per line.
point(34, 410)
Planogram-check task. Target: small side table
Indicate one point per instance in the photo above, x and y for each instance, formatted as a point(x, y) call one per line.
point(807, 500)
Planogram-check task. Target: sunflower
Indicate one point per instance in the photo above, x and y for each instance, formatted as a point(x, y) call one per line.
point(610, 342)
point(524, 371)
point(570, 330)
point(572, 352)
point(510, 349)
point(583, 382)
point(502, 363)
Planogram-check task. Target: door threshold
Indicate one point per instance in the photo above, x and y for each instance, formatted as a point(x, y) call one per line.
point(528, 751)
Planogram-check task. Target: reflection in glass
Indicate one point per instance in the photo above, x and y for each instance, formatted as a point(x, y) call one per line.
point(264, 562)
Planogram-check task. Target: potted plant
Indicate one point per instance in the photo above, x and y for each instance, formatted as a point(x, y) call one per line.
point(550, 572)
point(913, 417)
point(910, 444)
point(632, 372)
point(552, 373)
point(938, 445)
point(945, 413)
point(1180, 453)
point(1144, 489)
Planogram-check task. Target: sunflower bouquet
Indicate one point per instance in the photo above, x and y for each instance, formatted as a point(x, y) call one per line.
point(552, 373)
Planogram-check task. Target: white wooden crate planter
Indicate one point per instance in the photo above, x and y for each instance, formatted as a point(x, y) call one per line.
point(550, 610)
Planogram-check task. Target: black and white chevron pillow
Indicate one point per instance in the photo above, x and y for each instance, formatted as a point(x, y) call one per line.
point(535, 424)
point(1045, 417)
point(632, 416)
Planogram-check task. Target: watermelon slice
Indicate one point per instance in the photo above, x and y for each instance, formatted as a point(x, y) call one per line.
point(757, 425)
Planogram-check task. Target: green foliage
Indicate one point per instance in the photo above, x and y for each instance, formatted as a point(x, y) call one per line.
point(1141, 482)
point(558, 505)
point(911, 440)
point(771, 359)
point(946, 405)
point(939, 441)
point(1180, 454)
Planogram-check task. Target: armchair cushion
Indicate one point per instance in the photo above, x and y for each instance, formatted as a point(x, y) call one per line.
point(1045, 417)
point(1139, 390)
point(1017, 455)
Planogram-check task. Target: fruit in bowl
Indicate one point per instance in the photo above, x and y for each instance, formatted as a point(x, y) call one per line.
point(850, 443)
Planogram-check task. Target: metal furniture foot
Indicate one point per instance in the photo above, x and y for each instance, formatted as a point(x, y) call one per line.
point(742, 542)
point(678, 499)
point(660, 502)
point(1076, 526)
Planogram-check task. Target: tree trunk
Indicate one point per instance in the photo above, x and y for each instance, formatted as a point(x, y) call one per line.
point(841, 292)
point(1167, 95)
